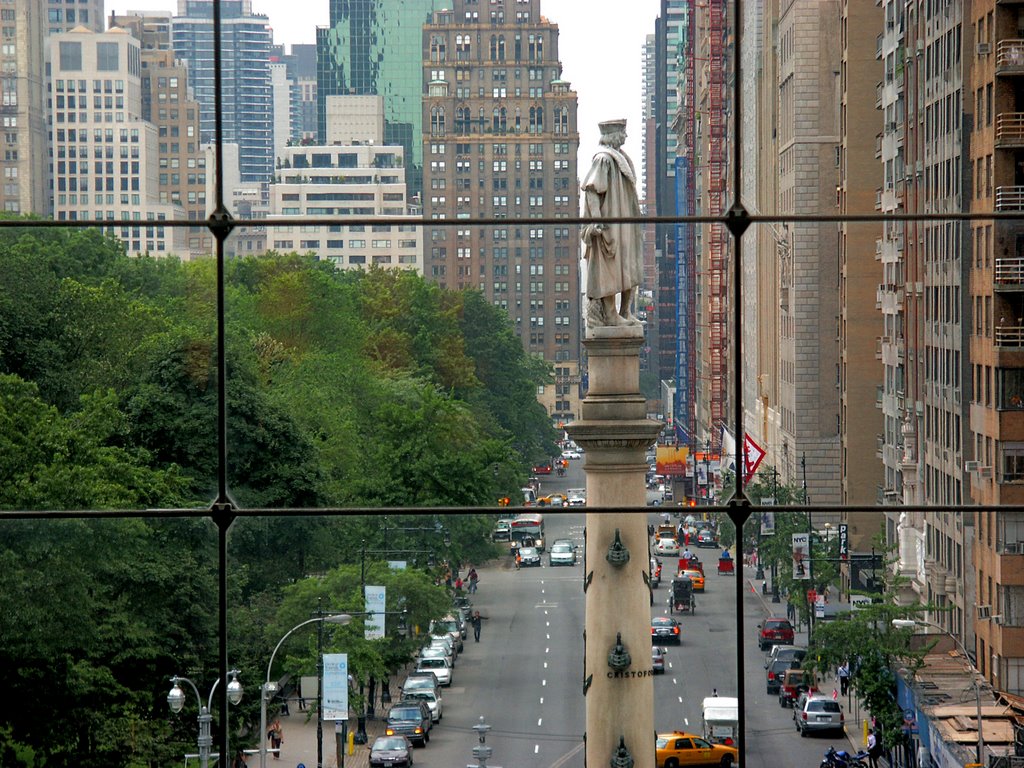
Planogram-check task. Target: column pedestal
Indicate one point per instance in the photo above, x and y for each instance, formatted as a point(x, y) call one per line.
point(615, 433)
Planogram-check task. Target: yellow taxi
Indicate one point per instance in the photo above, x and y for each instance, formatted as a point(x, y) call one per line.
point(696, 577)
point(676, 749)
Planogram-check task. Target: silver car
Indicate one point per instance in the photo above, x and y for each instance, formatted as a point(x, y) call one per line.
point(562, 553)
point(439, 666)
point(820, 713)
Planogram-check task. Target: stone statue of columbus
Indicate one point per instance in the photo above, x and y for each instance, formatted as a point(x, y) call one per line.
point(614, 251)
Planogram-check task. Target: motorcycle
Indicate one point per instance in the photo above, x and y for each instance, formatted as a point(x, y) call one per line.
point(843, 759)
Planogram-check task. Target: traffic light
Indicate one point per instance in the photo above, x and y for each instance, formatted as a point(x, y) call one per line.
point(693, 502)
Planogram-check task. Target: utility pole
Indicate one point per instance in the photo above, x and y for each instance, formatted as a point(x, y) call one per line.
point(810, 548)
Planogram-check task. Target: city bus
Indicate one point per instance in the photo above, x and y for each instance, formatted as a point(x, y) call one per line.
point(528, 526)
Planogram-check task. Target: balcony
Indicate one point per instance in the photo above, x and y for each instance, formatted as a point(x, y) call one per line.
point(1009, 336)
point(1010, 129)
point(1009, 273)
point(1010, 198)
point(1010, 57)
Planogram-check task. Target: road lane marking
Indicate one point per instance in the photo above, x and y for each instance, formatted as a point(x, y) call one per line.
point(674, 681)
point(565, 758)
point(680, 699)
point(540, 720)
point(686, 720)
point(543, 682)
point(541, 699)
point(545, 665)
point(547, 650)
point(536, 748)
point(547, 636)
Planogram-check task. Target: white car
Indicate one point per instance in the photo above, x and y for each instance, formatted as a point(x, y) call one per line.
point(577, 498)
point(571, 454)
point(666, 547)
point(439, 666)
point(562, 553)
point(429, 695)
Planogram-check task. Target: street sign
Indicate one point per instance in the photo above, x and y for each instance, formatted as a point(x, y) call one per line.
point(752, 456)
point(844, 540)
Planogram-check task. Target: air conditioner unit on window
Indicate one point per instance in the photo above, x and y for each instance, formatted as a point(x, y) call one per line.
point(984, 611)
point(971, 466)
point(998, 619)
point(1011, 548)
point(984, 471)
point(983, 49)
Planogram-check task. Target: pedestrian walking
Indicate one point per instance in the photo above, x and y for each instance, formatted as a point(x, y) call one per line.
point(874, 749)
point(843, 673)
point(519, 559)
point(474, 621)
point(473, 579)
point(275, 735)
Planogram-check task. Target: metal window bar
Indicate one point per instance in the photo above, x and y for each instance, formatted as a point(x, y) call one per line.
point(734, 219)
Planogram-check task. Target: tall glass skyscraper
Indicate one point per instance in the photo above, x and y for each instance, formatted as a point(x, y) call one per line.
point(375, 47)
point(246, 40)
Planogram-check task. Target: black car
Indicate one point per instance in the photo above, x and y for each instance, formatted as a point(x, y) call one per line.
point(774, 674)
point(665, 629)
point(529, 556)
point(410, 720)
point(387, 751)
point(706, 538)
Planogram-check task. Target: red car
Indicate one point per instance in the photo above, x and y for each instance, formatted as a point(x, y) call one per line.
point(774, 631)
point(542, 469)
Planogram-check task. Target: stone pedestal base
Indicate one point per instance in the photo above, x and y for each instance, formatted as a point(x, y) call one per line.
point(615, 434)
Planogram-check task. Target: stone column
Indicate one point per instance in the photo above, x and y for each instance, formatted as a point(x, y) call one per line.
point(615, 434)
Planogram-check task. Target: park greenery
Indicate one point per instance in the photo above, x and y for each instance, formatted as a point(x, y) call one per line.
point(346, 390)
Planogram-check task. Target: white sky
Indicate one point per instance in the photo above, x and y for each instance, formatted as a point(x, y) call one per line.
point(600, 45)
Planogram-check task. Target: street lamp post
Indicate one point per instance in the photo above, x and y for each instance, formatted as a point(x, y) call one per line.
point(270, 688)
point(909, 623)
point(176, 701)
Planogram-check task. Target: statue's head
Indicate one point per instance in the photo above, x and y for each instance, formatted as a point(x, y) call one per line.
point(613, 133)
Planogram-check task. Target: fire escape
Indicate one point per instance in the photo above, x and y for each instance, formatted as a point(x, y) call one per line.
point(718, 242)
point(686, 258)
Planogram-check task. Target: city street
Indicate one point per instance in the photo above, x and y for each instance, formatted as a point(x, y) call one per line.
point(525, 675)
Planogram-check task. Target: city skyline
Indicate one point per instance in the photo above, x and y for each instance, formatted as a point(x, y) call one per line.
point(584, 48)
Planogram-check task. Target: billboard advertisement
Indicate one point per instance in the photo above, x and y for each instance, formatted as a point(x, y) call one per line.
point(672, 460)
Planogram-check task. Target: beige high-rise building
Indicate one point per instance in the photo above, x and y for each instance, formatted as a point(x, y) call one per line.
point(993, 53)
point(168, 104)
point(25, 27)
point(105, 162)
point(860, 273)
point(500, 141)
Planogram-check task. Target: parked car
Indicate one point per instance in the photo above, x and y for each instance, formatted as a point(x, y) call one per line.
point(438, 652)
point(785, 653)
point(774, 630)
point(794, 682)
point(439, 667)
point(665, 629)
point(657, 659)
point(422, 681)
point(773, 676)
point(410, 719)
point(529, 556)
point(562, 552)
point(502, 531)
point(432, 698)
point(390, 752)
point(820, 713)
point(676, 749)
point(452, 626)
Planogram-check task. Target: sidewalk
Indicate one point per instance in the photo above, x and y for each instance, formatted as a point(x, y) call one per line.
point(855, 716)
point(299, 746)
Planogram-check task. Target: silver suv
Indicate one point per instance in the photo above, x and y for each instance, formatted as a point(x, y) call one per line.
point(820, 713)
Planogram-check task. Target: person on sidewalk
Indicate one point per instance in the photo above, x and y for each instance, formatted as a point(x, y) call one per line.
point(474, 621)
point(874, 749)
point(275, 735)
point(843, 673)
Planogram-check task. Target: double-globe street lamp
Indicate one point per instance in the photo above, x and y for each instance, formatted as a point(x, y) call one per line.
point(910, 623)
point(176, 701)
